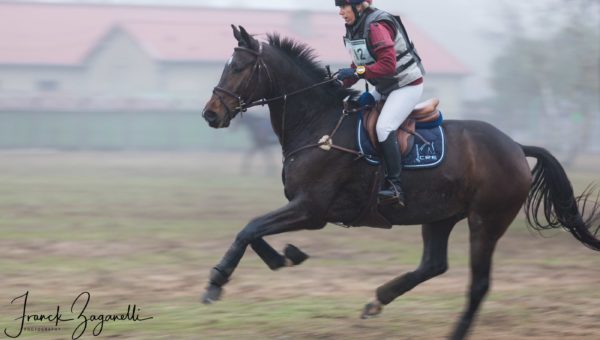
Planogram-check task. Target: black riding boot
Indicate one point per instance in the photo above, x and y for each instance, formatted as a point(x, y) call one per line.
point(392, 158)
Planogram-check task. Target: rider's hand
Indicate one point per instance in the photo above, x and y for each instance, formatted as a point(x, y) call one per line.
point(347, 74)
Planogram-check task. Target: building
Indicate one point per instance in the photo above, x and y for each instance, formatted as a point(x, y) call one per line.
point(133, 63)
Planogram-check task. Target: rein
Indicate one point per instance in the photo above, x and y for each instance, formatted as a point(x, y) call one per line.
point(243, 106)
point(326, 143)
point(284, 96)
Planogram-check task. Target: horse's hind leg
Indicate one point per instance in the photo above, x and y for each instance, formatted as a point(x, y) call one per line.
point(485, 231)
point(246, 164)
point(292, 256)
point(433, 263)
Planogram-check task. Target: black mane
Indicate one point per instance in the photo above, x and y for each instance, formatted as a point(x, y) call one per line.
point(306, 59)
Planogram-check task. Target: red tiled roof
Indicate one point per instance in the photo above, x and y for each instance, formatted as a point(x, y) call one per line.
point(46, 34)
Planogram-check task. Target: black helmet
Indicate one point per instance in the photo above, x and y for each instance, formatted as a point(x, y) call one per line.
point(348, 2)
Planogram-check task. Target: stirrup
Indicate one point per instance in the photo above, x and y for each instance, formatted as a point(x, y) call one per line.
point(392, 194)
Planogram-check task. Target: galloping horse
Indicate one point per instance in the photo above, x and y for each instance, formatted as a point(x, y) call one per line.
point(485, 177)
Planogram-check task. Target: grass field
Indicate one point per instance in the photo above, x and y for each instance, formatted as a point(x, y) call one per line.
point(145, 229)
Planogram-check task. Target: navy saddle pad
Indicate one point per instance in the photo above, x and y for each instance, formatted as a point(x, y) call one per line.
point(428, 152)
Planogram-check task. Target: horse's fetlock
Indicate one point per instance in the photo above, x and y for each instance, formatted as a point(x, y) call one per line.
point(277, 265)
point(218, 277)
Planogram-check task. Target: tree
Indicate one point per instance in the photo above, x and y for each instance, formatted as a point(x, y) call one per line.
point(552, 76)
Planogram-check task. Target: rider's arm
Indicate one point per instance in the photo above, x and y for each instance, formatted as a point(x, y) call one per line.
point(382, 37)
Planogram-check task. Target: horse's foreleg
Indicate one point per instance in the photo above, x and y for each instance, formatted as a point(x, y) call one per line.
point(433, 263)
point(292, 256)
point(289, 218)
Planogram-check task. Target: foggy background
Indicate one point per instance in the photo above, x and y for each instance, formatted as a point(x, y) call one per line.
point(111, 182)
point(532, 69)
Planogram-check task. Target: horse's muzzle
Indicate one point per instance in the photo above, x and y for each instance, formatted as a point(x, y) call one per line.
point(212, 118)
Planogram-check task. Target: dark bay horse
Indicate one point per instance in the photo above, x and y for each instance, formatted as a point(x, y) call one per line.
point(485, 177)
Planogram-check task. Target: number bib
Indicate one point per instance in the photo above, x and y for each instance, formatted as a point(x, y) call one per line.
point(359, 52)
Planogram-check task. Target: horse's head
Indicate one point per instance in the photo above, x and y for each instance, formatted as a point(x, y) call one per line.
point(240, 81)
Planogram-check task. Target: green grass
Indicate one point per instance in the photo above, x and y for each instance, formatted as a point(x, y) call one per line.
point(147, 228)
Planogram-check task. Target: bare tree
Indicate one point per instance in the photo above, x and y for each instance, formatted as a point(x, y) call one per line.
point(553, 73)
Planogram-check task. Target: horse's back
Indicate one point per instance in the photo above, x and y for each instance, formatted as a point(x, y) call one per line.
point(481, 131)
point(492, 161)
point(483, 166)
point(482, 143)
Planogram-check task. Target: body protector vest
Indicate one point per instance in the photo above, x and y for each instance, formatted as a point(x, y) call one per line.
point(409, 67)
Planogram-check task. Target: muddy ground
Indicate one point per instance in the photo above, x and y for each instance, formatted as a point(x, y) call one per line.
point(145, 229)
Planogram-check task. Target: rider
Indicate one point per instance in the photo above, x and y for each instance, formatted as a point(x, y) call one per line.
point(383, 54)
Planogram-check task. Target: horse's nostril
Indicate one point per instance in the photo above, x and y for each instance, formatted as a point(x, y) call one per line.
point(210, 116)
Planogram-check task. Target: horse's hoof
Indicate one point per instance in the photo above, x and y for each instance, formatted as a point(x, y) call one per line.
point(371, 309)
point(295, 255)
point(212, 294)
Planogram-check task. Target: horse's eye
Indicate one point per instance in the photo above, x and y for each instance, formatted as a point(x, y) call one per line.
point(236, 67)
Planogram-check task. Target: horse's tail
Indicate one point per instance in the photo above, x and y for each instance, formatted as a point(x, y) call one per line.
point(551, 194)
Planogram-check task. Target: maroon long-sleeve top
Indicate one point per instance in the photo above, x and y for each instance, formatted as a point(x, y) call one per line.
point(381, 37)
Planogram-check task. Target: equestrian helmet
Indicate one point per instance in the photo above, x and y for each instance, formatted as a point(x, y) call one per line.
point(350, 2)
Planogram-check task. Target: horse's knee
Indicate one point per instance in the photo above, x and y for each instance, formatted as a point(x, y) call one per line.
point(434, 270)
point(246, 235)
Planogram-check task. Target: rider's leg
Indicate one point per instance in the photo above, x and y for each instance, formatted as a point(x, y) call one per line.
point(393, 166)
point(398, 106)
point(376, 95)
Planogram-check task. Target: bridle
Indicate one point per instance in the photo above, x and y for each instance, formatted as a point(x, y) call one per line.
point(242, 105)
point(259, 64)
point(325, 143)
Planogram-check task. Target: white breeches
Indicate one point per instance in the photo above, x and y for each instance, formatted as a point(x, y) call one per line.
point(398, 106)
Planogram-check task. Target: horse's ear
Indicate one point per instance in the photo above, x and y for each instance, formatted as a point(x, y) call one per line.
point(247, 40)
point(236, 33)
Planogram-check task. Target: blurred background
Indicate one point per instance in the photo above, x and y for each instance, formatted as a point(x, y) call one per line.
point(131, 75)
point(111, 182)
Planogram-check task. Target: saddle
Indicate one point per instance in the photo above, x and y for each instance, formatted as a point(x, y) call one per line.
point(425, 112)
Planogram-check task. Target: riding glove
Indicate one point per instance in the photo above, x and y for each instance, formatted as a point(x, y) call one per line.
point(347, 74)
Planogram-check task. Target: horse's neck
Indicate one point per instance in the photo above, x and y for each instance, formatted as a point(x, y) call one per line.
point(299, 119)
point(298, 123)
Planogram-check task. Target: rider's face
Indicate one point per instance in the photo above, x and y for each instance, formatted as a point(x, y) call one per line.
point(347, 14)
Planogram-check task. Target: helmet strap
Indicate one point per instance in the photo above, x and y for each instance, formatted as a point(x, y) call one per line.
point(355, 10)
